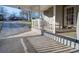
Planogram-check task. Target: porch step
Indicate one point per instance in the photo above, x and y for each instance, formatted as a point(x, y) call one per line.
point(43, 44)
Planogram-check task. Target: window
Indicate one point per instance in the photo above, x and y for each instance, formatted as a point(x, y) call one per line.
point(70, 16)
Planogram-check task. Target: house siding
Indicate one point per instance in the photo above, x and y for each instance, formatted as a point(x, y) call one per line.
point(77, 23)
point(59, 16)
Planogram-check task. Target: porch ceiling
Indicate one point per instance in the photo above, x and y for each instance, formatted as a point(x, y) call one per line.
point(32, 7)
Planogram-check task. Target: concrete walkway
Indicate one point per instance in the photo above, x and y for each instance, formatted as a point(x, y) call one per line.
point(15, 43)
point(11, 46)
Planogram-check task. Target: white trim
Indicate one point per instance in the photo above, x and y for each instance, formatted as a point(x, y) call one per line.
point(23, 44)
point(54, 18)
point(66, 14)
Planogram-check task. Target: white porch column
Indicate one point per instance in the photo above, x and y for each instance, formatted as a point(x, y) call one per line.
point(54, 18)
point(78, 24)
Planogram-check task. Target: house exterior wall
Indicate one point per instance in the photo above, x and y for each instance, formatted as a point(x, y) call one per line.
point(75, 14)
point(49, 12)
point(77, 23)
point(59, 16)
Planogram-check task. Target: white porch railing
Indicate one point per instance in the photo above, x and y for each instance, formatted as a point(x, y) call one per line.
point(36, 26)
point(49, 24)
point(36, 23)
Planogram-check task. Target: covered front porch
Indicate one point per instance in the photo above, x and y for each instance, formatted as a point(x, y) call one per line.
point(66, 20)
point(44, 36)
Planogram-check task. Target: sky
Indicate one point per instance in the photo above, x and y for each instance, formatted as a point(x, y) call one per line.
point(11, 10)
